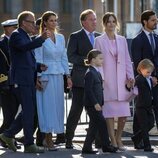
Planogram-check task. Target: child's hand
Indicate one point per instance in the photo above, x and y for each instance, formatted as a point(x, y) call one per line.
point(97, 107)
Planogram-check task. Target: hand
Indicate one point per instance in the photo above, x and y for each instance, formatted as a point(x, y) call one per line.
point(97, 107)
point(38, 85)
point(46, 34)
point(154, 81)
point(43, 67)
point(69, 82)
point(130, 83)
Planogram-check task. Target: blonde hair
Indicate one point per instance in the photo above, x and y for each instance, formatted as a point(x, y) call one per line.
point(46, 15)
point(83, 15)
point(145, 64)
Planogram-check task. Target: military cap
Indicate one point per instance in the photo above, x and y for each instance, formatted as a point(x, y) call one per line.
point(10, 22)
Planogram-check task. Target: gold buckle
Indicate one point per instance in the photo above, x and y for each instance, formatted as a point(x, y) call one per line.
point(3, 78)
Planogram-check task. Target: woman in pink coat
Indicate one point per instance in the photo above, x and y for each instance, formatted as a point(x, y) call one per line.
point(116, 71)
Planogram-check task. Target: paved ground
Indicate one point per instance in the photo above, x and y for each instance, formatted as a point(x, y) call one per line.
point(76, 153)
point(78, 143)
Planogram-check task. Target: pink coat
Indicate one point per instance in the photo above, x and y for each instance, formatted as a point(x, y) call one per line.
point(115, 71)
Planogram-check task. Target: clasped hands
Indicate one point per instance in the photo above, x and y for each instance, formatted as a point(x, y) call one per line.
point(130, 83)
point(39, 86)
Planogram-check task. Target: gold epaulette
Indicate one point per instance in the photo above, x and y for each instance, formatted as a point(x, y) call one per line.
point(3, 78)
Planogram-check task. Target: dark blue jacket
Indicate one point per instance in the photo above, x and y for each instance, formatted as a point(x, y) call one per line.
point(142, 49)
point(78, 47)
point(4, 67)
point(93, 90)
point(145, 93)
point(23, 64)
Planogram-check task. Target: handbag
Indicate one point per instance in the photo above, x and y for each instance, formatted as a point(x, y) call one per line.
point(4, 75)
point(44, 81)
point(66, 89)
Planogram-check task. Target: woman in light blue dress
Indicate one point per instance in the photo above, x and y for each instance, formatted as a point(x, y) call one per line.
point(50, 85)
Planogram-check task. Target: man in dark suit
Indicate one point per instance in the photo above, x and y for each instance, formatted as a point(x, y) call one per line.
point(9, 102)
point(145, 45)
point(22, 71)
point(39, 135)
point(79, 44)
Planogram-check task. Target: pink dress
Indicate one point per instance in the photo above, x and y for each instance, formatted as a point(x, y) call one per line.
point(115, 108)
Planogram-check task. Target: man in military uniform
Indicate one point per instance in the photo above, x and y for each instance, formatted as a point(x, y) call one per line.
point(9, 103)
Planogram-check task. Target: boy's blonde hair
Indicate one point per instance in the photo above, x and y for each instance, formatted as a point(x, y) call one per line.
point(145, 64)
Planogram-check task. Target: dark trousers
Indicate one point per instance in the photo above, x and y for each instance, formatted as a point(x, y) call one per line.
point(97, 123)
point(27, 98)
point(145, 120)
point(10, 106)
point(75, 112)
point(136, 126)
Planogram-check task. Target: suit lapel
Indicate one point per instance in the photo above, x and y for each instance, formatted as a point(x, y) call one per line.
point(147, 84)
point(146, 41)
point(118, 49)
point(156, 43)
point(86, 38)
point(28, 37)
point(109, 44)
point(96, 72)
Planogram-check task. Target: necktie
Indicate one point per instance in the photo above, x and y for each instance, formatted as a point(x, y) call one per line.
point(91, 37)
point(152, 42)
point(149, 81)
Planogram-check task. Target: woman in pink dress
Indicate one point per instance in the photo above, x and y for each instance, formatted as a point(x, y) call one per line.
point(116, 71)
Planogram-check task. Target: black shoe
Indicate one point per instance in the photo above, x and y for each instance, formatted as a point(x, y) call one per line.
point(39, 142)
point(110, 149)
point(98, 146)
point(69, 144)
point(148, 149)
point(138, 146)
point(60, 138)
point(89, 151)
point(59, 141)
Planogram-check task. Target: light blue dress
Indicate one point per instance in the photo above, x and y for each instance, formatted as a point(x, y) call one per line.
point(50, 101)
